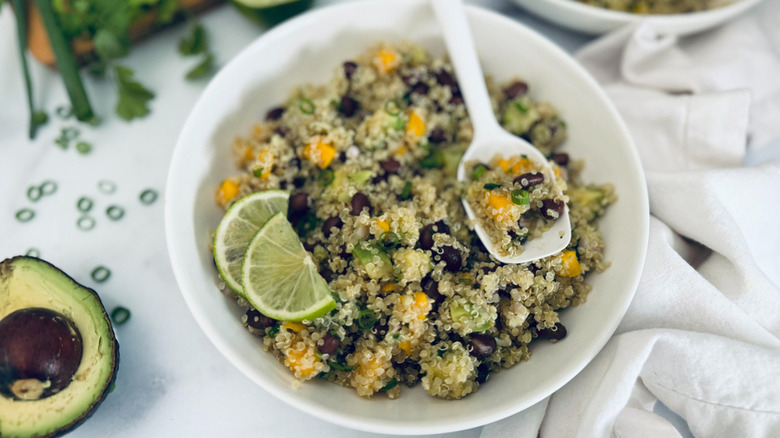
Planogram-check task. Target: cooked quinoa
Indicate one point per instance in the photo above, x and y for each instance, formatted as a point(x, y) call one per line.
point(658, 6)
point(513, 201)
point(370, 161)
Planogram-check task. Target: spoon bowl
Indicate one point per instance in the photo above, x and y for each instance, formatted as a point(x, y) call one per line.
point(490, 139)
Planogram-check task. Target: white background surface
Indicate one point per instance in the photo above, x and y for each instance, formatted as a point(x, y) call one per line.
point(171, 381)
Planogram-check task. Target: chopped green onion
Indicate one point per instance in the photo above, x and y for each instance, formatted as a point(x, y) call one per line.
point(464, 280)
point(274, 330)
point(398, 124)
point(33, 252)
point(340, 367)
point(433, 161)
point(65, 111)
point(120, 315)
point(306, 224)
point(107, 187)
point(491, 186)
point(70, 133)
point(34, 193)
point(393, 107)
point(85, 223)
point(520, 197)
point(101, 274)
point(406, 193)
point(389, 239)
point(366, 319)
point(148, 197)
point(478, 171)
point(84, 204)
point(521, 107)
point(83, 147)
point(306, 106)
point(390, 385)
point(48, 187)
point(326, 177)
point(258, 172)
point(25, 215)
point(115, 212)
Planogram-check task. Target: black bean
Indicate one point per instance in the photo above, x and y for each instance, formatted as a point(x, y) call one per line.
point(349, 69)
point(452, 258)
point(558, 332)
point(420, 88)
point(443, 77)
point(282, 130)
point(330, 344)
point(343, 156)
point(483, 372)
point(299, 181)
point(283, 185)
point(442, 227)
point(456, 98)
point(257, 320)
point(552, 205)
point(562, 159)
point(426, 237)
point(527, 180)
point(437, 135)
point(482, 345)
point(517, 88)
point(330, 223)
point(359, 202)
point(275, 113)
point(299, 203)
point(348, 106)
point(431, 288)
point(390, 166)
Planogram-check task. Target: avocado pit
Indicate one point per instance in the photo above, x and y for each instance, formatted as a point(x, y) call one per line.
point(40, 352)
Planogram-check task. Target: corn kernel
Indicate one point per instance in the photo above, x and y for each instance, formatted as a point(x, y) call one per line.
point(416, 125)
point(319, 153)
point(515, 165)
point(383, 225)
point(266, 160)
point(386, 61)
point(389, 287)
point(297, 327)
point(300, 360)
point(227, 191)
point(401, 151)
point(501, 204)
point(570, 265)
point(406, 346)
point(421, 303)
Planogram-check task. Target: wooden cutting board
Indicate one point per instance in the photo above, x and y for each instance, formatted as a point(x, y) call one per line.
point(38, 40)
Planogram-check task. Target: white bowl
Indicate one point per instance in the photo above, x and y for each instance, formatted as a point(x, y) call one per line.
point(309, 48)
point(595, 20)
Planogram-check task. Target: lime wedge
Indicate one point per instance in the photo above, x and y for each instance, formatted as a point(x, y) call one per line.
point(238, 226)
point(280, 279)
point(270, 12)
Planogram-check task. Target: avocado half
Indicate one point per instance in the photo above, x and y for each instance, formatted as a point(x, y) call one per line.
point(58, 352)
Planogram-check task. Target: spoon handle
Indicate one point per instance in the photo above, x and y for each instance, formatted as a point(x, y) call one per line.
point(457, 34)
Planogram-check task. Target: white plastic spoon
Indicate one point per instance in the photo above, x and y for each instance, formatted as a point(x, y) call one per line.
point(490, 139)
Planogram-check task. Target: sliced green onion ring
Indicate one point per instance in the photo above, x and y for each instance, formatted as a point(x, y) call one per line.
point(107, 187)
point(520, 197)
point(34, 193)
point(478, 171)
point(366, 319)
point(25, 215)
point(120, 315)
point(48, 187)
point(85, 223)
point(115, 212)
point(84, 204)
point(326, 177)
point(389, 239)
point(393, 107)
point(306, 106)
point(100, 274)
point(148, 197)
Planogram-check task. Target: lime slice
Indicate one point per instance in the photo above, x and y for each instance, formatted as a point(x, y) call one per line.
point(280, 278)
point(238, 226)
point(270, 12)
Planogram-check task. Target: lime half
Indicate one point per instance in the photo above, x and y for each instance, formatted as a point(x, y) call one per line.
point(280, 278)
point(270, 12)
point(240, 223)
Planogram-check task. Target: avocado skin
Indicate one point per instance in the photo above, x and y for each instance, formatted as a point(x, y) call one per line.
point(6, 269)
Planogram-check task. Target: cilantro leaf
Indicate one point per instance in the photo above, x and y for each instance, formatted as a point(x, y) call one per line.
point(133, 97)
point(196, 43)
point(204, 68)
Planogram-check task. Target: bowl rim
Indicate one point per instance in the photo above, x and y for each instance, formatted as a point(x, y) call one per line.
point(180, 268)
point(679, 18)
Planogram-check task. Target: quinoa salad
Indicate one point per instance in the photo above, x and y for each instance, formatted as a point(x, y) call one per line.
point(369, 160)
point(513, 201)
point(658, 6)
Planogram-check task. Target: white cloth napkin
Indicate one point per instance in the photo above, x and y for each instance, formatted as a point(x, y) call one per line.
point(702, 335)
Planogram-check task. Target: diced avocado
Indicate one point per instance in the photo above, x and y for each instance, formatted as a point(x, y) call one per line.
point(58, 352)
point(361, 177)
point(519, 115)
point(376, 262)
point(451, 158)
point(471, 317)
point(590, 200)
